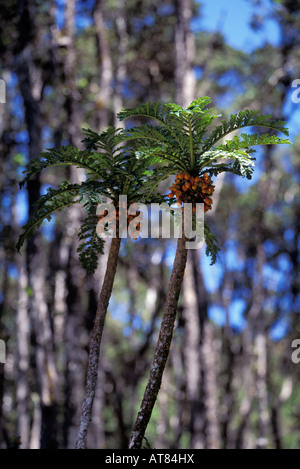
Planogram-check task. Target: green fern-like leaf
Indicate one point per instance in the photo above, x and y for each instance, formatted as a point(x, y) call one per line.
point(212, 246)
point(244, 119)
point(134, 161)
point(65, 156)
point(177, 138)
point(113, 169)
point(91, 245)
point(245, 141)
point(53, 201)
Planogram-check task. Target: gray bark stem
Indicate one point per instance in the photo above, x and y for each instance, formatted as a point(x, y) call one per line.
point(92, 372)
point(162, 347)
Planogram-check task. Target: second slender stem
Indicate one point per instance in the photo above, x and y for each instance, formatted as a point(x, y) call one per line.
point(92, 373)
point(162, 347)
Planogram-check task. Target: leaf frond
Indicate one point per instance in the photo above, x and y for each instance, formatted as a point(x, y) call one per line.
point(53, 201)
point(212, 247)
point(90, 244)
point(247, 118)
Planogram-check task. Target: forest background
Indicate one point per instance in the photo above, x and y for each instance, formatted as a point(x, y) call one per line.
point(230, 381)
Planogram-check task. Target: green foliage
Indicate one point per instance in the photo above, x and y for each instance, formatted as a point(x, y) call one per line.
point(112, 170)
point(53, 201)
point(244, 119)
point(179, 142)
point(65, 156)
point(212, 246)
point(91, 245)
point(179, 139)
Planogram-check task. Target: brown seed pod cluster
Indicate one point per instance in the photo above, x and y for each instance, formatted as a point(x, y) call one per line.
point(136, 224)
point(187, 188)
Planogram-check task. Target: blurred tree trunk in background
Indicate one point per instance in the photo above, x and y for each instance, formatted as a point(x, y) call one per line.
point(105, 67)
point(30, 82)
point(229, 382)
point(192, 359)
point(184, 53)
point(23, 359)
point(3, 305)
point(121, 69)
point(184, 94)
point(75, 358)
point(199, 336)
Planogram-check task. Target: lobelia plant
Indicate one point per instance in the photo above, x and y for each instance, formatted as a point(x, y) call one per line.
point(112, 170)
point(180, 140)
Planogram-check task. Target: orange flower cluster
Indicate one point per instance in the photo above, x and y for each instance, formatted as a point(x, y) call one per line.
point(187, 188)
point(136, 223)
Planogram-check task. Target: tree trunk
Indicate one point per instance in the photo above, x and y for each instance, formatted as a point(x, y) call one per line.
point(185, 81)
point(162, 347)
point(105, 67)
point(262, 390)
point(92, 372)
point(192, 355)
point(23, 332)
point(210, 389)
point(120, 74)
point(31, 85)
point(75, 355)
point(4, 288)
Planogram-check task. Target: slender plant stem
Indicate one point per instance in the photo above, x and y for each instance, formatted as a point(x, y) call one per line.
point(162, 347)
point(191, 145)
point(95, 342)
